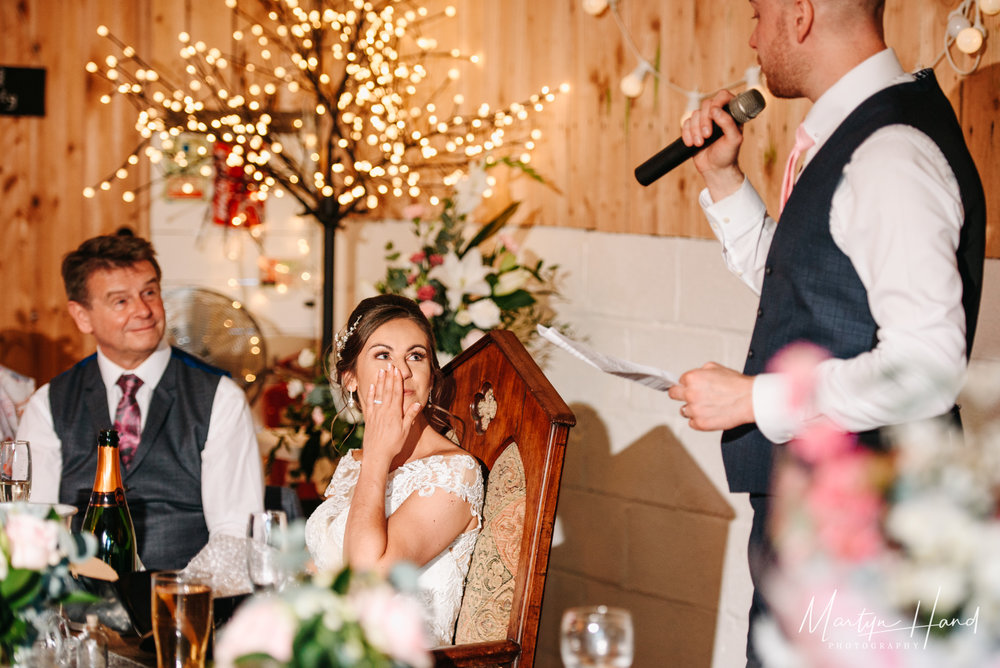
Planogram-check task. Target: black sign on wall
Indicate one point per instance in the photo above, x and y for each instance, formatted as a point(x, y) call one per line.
point(22, 91)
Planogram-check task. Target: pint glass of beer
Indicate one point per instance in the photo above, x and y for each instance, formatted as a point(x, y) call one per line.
point(182, 619)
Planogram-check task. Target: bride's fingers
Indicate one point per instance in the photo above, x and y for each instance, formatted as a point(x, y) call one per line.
point(410, 415)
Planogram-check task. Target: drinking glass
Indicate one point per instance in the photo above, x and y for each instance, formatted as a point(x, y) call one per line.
point(15, 470)
point(266, 540)
point(182, 619)
point(597, 636)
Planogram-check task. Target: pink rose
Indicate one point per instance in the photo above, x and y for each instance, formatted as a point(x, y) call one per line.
point(436, 259)
point(261, 625)
point(412, 278)
point(419, 257)
point(34, 542)
point(821, 439)
point(797, 364)
point(394, 625)
point(430, 309)
point(845, 503)
point(426, 292)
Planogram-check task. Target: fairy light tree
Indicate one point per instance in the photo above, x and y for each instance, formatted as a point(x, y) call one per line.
point(328, 101)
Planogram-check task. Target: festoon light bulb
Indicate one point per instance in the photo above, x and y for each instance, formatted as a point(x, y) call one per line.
point(595, 7)
point(633, 82)
point(968, 38)
point(989, 7)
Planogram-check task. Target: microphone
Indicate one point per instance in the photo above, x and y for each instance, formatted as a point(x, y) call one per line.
point(742, 108)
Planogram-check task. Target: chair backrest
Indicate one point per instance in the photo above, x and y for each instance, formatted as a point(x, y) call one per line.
point(512, 419)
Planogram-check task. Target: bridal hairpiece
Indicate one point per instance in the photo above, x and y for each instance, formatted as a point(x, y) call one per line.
point(341, 341)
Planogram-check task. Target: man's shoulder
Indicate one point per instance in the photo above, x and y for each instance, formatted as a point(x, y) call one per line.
point(192, 362)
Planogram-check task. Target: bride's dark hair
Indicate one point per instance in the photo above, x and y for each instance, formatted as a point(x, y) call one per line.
point(369, 315)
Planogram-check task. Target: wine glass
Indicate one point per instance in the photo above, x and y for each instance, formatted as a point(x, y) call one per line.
point(15, 471)
point(597, 636)
point(266, 540)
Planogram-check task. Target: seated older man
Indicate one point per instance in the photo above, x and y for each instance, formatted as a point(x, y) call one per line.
point(190, 461)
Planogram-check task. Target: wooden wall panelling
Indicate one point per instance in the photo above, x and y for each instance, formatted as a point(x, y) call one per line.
point(592, 142)
point(45, 173)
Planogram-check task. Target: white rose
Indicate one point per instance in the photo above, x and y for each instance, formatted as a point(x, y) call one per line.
point(34, 542)
point(295, 388)
point(307, 357)
point(485, 313)
point(470, 338)
point(463, 317)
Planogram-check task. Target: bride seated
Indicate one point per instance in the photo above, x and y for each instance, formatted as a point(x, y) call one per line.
point(409, 494)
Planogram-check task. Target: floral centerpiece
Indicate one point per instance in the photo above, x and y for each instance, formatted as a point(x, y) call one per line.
point(885, 558)
point(468, 279)
point(36, 552)
point(331, 621)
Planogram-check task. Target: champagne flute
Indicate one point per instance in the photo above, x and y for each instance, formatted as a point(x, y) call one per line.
point(266, 536)
point(15, 471)
point(598, 636)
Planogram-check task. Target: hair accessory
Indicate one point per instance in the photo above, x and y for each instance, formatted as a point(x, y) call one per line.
point(341, 341)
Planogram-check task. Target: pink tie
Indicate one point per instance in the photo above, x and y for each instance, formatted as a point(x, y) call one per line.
point(803, 142)
point(128, 422)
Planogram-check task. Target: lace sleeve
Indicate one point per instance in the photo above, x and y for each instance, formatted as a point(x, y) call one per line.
point(458, 474)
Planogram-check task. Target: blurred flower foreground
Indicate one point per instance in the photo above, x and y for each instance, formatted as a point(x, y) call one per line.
point(887, 557)
point(36, 551)
point(340, 620)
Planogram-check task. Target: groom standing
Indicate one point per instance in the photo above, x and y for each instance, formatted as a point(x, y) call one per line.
point(875, 255)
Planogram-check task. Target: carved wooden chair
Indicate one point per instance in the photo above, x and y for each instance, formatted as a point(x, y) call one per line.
point(517, 425)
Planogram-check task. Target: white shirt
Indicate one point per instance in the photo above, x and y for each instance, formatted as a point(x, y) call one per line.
point(231, 482)
point(896, 214)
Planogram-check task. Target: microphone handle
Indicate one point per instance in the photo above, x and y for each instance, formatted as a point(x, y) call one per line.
point(673, 155)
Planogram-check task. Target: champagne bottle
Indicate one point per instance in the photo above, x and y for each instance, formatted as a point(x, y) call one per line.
point(107, 515)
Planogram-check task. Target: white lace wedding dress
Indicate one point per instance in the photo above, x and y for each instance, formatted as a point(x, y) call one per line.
point(441, 580)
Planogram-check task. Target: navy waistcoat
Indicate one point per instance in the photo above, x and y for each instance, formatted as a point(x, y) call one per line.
point(811, 291)
point(163, 484)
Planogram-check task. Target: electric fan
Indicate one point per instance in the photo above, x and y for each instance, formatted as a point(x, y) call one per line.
point(219, 330)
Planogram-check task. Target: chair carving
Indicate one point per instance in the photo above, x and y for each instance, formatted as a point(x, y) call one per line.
point(514, 422)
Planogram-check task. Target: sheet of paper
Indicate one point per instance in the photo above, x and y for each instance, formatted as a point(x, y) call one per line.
point(658, 379)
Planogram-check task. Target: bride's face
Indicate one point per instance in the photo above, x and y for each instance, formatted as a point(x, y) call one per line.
point(402, 344)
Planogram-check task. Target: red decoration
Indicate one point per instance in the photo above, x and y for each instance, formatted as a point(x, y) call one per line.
point(236, 199)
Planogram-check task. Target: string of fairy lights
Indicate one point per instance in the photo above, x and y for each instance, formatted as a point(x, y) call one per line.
point(964, 31)
point(364, 130)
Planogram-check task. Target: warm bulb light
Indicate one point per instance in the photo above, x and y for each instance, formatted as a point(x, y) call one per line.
point(989, 7)
point(633, 82)
point(969, 40)
point(595, 7)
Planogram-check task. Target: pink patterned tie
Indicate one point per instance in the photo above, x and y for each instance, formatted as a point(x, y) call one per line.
point(803, 142)
point(128, 422)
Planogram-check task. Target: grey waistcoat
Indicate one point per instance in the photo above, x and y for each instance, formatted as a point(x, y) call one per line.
point(163, 484)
